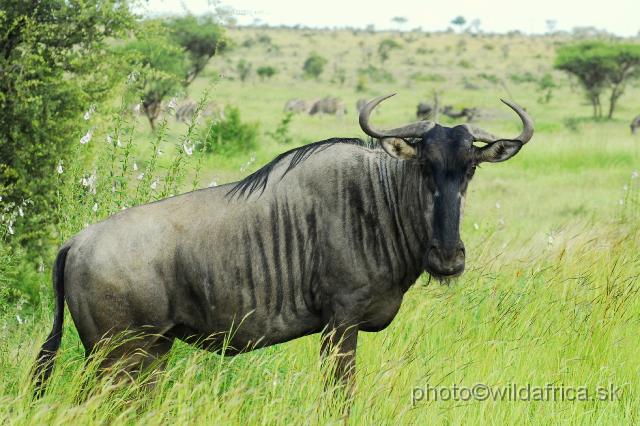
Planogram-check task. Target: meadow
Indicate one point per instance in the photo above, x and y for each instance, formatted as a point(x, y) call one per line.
point(551, 290)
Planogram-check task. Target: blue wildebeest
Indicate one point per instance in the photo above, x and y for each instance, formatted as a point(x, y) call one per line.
point(635, 123)
point(326, 238)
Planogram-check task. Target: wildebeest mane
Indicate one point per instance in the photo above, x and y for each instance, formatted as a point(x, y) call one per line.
point(257, 181)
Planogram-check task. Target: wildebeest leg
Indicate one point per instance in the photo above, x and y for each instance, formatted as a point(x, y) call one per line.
point(144, 353)
point(340, 340)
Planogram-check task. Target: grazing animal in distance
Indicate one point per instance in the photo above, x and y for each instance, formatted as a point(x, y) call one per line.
point(468, 113)
point(328, 105)
point(186, 110)
point(326, 238)
point(635, 123)
point(296, 106)
point(424, 111)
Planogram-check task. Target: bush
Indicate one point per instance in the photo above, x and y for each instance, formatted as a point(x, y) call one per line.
point(314, 65)
point(385, 47)
point(377, 75)
point(244, 69)
point(266, 72)
point(55, 63)
point(229, 135)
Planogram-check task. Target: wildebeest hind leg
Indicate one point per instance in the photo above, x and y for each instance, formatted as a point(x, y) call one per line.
point(136, 355)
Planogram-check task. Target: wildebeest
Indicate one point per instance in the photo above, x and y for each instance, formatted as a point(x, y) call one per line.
point(328, 105)
point(186, 110)
point(296, 106)
point(424, 111)
point(635, 123)
point(326, 238)
point(468, 113)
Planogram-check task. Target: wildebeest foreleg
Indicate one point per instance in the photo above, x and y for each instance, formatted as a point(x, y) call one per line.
point(339, 343)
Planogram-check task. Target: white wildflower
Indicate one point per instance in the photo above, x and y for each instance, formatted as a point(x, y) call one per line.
point(188, 148)
point(41, 267)
point(140, 176)
point(20, 320)
point(10, 228)
point(621, 201)
point(154, 184)
point(136, 108)
point(135, 166)
point(95, 207)
point(20, 212)
point(625, 188)
point(119, 143)
point(87, 137)
point(59, 169)
point(213, 183)
point(109, 140)
point(476, 226)
point(132, 77)
point(90, 111)
point(634, 174)
point(550, 239)
point(160, 152)
point(497, 205)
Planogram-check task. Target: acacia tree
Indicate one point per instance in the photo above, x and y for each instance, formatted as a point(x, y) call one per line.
point(161, 63)
point(599, 66)
point(201, 37)
point(54, 62)
point(385, 47)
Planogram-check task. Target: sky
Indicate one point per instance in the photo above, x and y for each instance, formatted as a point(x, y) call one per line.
point(621, 17)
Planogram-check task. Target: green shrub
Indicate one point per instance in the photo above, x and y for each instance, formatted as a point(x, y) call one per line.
point(229, 135)
point(377, 75)
point(314, 65)
point(53, 66)
point(266, 72)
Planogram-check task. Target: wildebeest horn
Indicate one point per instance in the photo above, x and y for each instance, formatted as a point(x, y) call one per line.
point(524, 137)
point(413, 130)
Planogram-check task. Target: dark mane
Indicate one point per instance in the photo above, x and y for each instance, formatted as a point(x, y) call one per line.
point(257, 181)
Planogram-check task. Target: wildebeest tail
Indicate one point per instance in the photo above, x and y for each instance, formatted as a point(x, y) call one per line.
point(44, 362)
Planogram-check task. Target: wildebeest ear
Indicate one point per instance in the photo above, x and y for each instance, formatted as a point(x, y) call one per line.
point(399, 148)
point(499, 150)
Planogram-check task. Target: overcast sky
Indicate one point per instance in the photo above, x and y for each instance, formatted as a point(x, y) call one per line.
point(621, 17)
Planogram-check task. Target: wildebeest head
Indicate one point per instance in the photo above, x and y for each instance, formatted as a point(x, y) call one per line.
point(448, 158)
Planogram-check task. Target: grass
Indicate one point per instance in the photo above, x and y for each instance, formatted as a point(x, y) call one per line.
point(551, 289)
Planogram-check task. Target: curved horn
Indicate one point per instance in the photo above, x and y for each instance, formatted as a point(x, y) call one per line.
point(524, 137)
point(413, 130)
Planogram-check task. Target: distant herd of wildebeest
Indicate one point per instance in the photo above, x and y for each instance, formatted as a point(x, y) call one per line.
point(336, 106)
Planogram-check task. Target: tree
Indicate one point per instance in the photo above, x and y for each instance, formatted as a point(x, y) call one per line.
point(54, 63)
point(399, 21)
point(459, 21)
point(202, 37)
point(314, 65)
point(162, 65)
point(598, 66)
point(244, 69)
point(265, 72)
point(385, 47)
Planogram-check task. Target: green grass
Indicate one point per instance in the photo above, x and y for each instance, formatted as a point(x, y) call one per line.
point(551, 289)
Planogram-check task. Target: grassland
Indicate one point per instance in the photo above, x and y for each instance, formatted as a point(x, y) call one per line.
point(551, 289)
